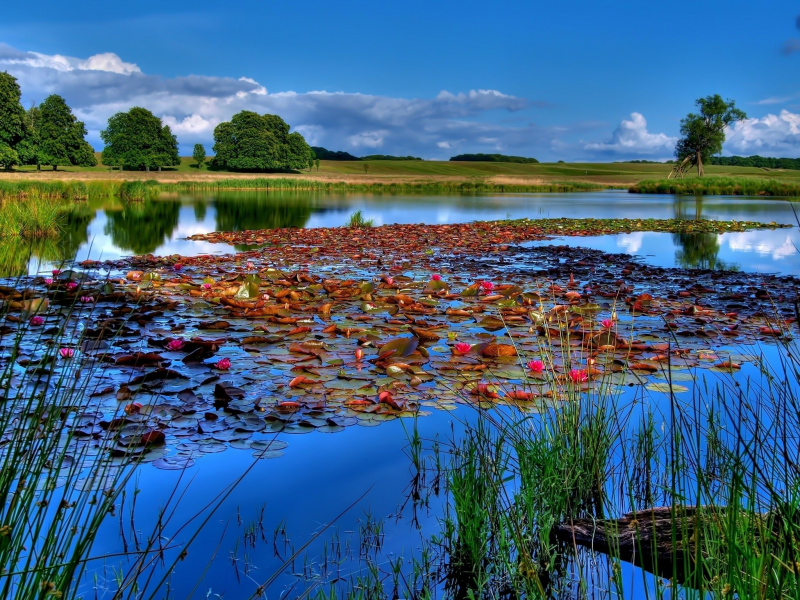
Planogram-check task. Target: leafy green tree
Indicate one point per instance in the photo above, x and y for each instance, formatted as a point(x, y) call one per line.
point(199, 155)
point(138, 140)
point(28, 148)
point(8, 156)
point(12, 115)
point(366, 168)
point(253, 142)
point(316, 160)
point(61, 136)
point(704, 133)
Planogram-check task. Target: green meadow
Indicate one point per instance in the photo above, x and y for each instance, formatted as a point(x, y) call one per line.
point(606, 174)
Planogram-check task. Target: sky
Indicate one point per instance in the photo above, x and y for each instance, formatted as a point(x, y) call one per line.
point(574, 81)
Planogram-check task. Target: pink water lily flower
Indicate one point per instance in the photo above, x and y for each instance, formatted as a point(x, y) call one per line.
point(177, 266)
point(206, 286)
point(250, 266)
point(436, 277)
point(48, 281)
point(175, 344)
point(72, 285)
point(87, 299)
point(389, 281)
point(224, 364)
point(536, 366)
point(37, 320)
point(578, 376)
point(607, 323)
point(463, 347)
point(66, 352)
point(487, 286)
point(56, 272)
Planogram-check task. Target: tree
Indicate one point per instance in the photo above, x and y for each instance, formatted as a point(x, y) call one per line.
point(199, 155)
point(12, 115)
point(138, 140)
point(366, 168)
point(317, 162)
point(60, 136)
point(703, 134)
point(8, 156)
point(253, 142)
point(28, 148)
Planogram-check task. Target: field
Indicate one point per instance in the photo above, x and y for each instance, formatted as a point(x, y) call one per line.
point(610, 174)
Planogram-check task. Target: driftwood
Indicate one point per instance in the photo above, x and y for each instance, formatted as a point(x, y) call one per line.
point(660, 540)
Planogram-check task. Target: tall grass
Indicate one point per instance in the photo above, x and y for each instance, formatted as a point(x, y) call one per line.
point(59, 482)
point(357, 220)
point(138, 191)
point(287, 183)
point(32, 218)
point(57, 190)
point(729, 186)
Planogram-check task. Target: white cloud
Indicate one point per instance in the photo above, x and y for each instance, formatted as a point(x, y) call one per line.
point(774, 135)
point(631, 138)
point(775, 100)
point(368, 139)
point(106, 61)
point(193, 124)
point(101, 85)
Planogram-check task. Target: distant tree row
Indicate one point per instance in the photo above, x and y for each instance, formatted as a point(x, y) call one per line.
point(388, 157)
point(48, 134)
point(324, 154)
point(493, 158)
point(761, 162)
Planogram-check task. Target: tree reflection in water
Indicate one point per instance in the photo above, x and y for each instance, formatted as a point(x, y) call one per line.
point(238, 212)
point(696, 250)
point(141, 227)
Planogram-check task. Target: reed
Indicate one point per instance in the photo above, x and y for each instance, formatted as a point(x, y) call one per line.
point(56, 190)
point(286, 183)
point(357, 220)
point(33, 218)
point(727, 186)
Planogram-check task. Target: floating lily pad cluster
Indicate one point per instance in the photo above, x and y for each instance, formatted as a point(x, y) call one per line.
point(186, 356)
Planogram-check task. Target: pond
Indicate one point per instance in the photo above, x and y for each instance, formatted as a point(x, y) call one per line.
point(329, 506)
point(104, 229)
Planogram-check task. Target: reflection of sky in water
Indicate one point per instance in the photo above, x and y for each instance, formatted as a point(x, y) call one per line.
point(765, 251)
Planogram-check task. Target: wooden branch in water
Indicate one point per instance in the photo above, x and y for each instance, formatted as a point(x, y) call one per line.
point(647, 538)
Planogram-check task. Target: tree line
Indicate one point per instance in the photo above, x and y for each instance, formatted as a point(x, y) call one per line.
point(49, 134)
point(761, 162)
point(493, 158)
point(325, 154)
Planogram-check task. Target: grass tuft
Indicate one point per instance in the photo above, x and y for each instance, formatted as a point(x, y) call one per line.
point(357, 220)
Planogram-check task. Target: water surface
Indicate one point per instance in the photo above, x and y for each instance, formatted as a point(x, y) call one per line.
point(106, 229)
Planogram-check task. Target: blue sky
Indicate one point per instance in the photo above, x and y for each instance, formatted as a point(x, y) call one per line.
point(568, 80)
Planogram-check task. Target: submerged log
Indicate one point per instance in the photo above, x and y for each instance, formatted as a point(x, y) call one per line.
point(660, 540)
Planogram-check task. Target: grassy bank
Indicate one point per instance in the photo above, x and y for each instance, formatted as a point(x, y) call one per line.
point(388, 171)
point(728, 186)
point(56, 190)
point(290, 183)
